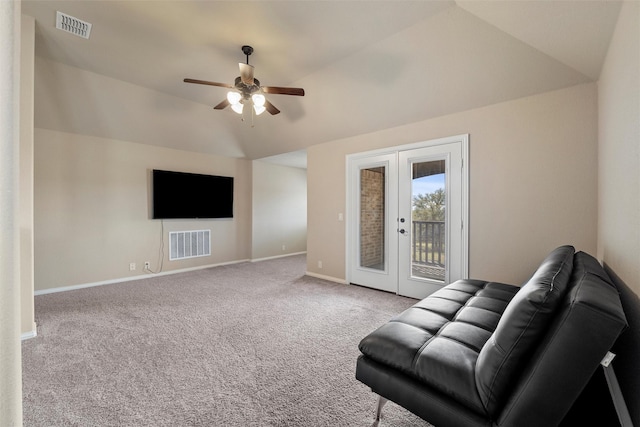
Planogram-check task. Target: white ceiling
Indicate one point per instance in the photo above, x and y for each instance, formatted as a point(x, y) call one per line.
point(365, 65)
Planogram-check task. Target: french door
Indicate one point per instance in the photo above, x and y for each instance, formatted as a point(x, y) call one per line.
point(407, 211)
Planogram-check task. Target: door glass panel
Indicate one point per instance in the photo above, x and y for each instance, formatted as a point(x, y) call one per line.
point(428, 227)
point(372, 218)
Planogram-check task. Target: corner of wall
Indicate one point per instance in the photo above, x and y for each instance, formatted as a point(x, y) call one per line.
point(619, 150)
point(27, 58)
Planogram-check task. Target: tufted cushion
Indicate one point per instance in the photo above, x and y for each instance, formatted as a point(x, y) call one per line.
point(522, 325)
point(437, 340)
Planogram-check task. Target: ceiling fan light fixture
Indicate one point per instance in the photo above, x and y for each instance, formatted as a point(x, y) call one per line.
point(259, 109)
point(233, 97)
point(258, 100)
point(237, 108)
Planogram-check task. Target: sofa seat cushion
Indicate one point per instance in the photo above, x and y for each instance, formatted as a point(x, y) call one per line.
point(437, 340)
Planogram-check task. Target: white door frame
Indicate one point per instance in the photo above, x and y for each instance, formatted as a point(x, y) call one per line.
point(351, 205)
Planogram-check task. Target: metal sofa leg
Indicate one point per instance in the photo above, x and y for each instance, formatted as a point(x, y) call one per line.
point(614, 389)
point(381, 402)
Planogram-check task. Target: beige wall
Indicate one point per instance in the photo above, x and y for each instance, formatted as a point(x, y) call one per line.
point(533, 182)
point(279, 210)
point(92, 209)
point(619, 150)
point(27, 53)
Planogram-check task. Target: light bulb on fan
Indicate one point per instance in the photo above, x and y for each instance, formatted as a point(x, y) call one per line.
point(258, 99)
point(233, 97)
point(237, 108)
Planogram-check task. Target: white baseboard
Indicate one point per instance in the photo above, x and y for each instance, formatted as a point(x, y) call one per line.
point(329, 278)
point(132, 278)
point(29, 334)
point(277, 256)
point(148, 275)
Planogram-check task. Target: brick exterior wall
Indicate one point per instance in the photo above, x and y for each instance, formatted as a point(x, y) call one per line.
point(372, 221)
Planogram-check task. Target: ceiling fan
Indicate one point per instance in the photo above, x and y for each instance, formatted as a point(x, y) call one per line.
point(247, 90)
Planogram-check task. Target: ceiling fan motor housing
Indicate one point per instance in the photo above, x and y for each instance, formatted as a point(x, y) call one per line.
point(247, 90)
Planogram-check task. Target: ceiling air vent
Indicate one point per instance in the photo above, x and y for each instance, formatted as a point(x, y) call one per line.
point(73, 25)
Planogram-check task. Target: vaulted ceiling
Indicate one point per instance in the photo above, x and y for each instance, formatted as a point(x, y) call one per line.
point(365, 65)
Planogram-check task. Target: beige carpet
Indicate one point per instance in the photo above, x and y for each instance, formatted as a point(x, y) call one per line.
point(252, 344)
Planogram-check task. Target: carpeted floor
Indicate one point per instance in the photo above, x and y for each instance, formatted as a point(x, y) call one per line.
point(252, 344)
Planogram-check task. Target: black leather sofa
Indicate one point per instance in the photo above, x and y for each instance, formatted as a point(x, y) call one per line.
point(479, 353)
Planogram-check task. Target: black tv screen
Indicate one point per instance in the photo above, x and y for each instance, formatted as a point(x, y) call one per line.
point(180, 195)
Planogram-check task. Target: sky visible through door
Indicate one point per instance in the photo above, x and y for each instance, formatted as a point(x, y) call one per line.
point(427, 184)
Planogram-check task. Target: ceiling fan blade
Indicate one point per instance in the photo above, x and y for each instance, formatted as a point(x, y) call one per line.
point(205, 82)
point(246, 73)
point(224, 104)
point(271, 108)
point(283, 90)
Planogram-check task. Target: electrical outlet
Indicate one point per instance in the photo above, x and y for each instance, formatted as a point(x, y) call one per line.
point(284, 248)
point(132, 266)
point(147, 265)
point(319, 264)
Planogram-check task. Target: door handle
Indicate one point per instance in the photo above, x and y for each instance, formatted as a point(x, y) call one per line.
point(402, 231)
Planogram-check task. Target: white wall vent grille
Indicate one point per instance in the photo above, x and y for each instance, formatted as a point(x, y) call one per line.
point(189, 244)
point(73, 25)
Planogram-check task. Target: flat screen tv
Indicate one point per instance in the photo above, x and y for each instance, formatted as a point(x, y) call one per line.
point(181, 195)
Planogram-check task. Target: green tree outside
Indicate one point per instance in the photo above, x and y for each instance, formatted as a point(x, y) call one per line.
point(429, 207)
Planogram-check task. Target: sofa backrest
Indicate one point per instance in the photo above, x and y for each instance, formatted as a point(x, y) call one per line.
point(523, 324)
point(589, 320)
